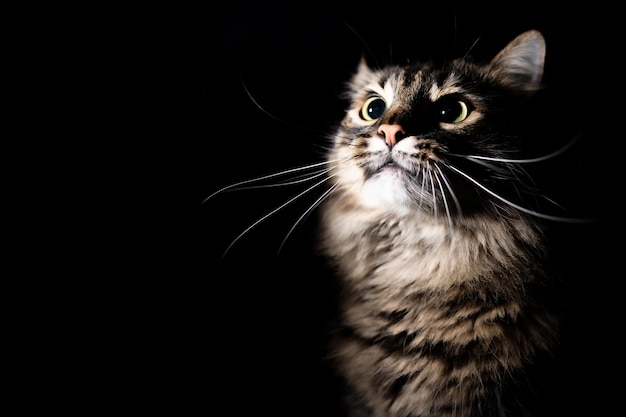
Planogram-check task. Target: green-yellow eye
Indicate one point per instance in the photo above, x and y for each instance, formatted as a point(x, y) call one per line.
point(373, 108)
point(453, 110)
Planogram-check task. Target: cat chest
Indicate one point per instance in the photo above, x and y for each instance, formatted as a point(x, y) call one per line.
point(392, 253)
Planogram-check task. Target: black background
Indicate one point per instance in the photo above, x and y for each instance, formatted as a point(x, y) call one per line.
point(259, 315)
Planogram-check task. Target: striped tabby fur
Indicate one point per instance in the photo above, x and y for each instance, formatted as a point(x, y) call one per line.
point(441, 262)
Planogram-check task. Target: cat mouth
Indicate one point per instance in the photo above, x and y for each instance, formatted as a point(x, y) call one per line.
point(391, 166)
point(394, 167)
point(397, 164)
point(400, 162)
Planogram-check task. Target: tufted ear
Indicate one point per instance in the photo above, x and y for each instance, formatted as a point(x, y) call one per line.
point(363, 68)
point(520, 63)
point(362, 76)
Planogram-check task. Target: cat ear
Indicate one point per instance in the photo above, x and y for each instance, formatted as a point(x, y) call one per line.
point(363, 67)
point(363, 73)
point(520, 63)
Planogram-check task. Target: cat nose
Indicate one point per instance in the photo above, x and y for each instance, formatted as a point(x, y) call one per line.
point(392, 133)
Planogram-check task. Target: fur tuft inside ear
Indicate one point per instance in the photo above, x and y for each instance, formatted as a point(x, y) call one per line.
point(363, 69)
point(362, 75)
point(520, 63)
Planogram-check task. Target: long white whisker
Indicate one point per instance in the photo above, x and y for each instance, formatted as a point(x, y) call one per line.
point(317, 184)
point(471, 47)
point(311, 208)
point(424, 180)
point(271, 115)
point(525, 161)
point(449, 187)
point(443, 196)
point(434, 193)
point(514, 170)
point(549, 200)
point(293, 182)
point(493, 167)
point(265, 177)
point(523, 209)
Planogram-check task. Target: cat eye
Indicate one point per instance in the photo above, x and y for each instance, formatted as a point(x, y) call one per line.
point(453, 110)
point(373, 108)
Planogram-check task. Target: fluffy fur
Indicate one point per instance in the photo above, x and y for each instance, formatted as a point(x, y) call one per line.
point(441, 261)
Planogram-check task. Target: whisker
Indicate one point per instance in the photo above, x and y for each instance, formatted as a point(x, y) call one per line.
point(526, 161)
point(549, 200)
point(443, 196)
point(520, 208)
point(303, 216)
point(434, 193)
point(266, 177)
point(360, 38)
point(278, 119)
point(471, 47)
point(423, 186)
point(493, 167)
point(449, 187)
point(291, 200)
point(514, 169)
point(291, 182)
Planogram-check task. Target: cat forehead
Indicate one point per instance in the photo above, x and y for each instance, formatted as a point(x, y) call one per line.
point(406, 82)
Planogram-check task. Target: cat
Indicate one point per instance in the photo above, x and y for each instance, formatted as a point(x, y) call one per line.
point(427, 222)
point(442, 305)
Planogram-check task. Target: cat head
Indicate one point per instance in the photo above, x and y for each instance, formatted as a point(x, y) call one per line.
point(444, 138)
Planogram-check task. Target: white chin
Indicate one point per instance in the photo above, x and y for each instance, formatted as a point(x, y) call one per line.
point(386, 190)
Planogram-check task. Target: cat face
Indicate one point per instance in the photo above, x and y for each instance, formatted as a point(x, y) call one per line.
point(427, 138)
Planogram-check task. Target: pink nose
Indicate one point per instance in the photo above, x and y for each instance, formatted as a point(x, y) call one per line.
point(391, 133)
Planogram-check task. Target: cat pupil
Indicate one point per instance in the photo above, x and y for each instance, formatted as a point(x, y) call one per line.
point(373, 108)
point(453, 111)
